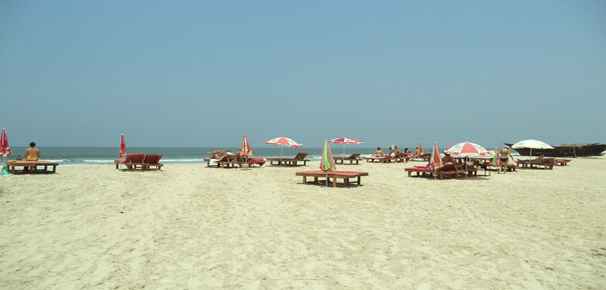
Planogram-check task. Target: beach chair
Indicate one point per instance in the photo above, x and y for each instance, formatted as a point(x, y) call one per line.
point(538, 163)
point(331, 177)
point(353, 159)
point(152, 161)
point(289, 161)
point(131, 161)
point(378, 159)
point(420, 170)
point(561, 162)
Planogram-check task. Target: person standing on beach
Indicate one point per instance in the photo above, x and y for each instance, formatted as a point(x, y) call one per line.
point(32, 153)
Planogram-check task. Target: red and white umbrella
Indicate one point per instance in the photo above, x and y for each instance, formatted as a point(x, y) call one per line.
point(245, 149)
point(345, 140)
point(283, 141)
point(467, 149)
point(122, 146)
point(5, 148)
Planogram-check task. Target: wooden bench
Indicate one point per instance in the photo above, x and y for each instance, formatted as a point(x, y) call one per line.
point(334, 175)
point(32, 167)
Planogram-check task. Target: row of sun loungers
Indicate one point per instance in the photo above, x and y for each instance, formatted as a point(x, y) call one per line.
point(141, 161)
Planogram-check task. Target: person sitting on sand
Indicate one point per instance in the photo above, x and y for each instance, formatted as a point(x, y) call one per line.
point(32, 153)
point(395, 152)
point(379, 152)
point(447, 159)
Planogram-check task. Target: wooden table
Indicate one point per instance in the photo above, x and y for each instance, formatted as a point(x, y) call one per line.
point(334, 175)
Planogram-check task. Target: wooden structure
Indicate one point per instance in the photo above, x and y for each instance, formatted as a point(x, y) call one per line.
point(352, 159)
point(142, 161)
point(331, 177)
point(32, 167)
point(289, 161)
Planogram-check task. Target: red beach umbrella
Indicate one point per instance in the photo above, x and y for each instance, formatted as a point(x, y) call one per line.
point(122, 146)
point(245, 149)
point(5, 148)
point(436, 159)
point(345, 140)
point(467, 149)
point(283, 141)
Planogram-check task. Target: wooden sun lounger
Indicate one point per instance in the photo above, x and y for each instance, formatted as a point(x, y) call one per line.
point(289, 161)
point(420, 170)
point(32, 167)
point(539, 163)
point(353, 159)
point(561, 162)
point(378, 159)
point(332, 176)
point(141, 161)
point(152, 161)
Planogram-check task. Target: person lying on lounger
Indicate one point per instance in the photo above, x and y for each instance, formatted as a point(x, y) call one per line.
point(32, 153)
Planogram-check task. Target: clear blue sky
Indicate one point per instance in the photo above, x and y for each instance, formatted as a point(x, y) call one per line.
point(196, 73)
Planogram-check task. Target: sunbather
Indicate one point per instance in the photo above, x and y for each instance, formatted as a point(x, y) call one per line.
point(32, 153)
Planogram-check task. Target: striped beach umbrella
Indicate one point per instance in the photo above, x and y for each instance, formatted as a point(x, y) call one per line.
point(122, 146)
point(436, 159)
point(345, 140)
point(5, 148)
point(283, 141)
point(467, 149)
point(245, 149)
point(327, 163)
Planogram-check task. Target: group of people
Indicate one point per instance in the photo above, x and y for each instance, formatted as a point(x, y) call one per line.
point(394, 151)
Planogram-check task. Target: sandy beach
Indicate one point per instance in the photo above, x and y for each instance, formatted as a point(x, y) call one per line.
point(191, 227)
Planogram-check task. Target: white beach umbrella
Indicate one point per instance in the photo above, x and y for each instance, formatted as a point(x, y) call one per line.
point(531, 144)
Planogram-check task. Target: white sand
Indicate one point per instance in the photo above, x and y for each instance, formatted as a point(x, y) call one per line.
point(189, 227)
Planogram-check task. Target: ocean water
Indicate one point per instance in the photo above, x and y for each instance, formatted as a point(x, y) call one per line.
point(107, 155)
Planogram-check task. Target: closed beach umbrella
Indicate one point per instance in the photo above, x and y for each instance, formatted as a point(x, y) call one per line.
point(467, 149)
point(5, 148)
point(436, 159)
point(531, 144)
point(245, 149)
point(327, 163)
point(122, 146)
